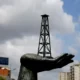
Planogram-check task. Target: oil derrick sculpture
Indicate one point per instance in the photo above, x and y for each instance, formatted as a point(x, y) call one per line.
point(31, 64)
point(44, 47)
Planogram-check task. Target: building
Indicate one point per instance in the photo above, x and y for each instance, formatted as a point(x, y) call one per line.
point(64, 76)
point(75, 72)
point(5, 72)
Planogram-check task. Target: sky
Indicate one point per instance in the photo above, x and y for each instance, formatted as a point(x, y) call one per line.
point(20, 28)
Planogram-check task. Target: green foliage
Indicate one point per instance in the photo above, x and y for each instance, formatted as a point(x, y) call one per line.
point(2, 78)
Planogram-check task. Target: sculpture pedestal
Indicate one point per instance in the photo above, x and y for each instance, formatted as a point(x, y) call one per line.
point(26, 74)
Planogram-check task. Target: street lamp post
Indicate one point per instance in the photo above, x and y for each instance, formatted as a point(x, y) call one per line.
point(11, 71)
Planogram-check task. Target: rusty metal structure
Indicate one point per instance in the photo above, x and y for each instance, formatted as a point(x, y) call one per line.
point(44, 47)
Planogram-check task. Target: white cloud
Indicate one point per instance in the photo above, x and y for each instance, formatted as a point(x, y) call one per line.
point(14, 49)
point(50, 75)
point(23, 18)
point(57, 46)
point(72, 50)
point(19, 18)
point(77, 39)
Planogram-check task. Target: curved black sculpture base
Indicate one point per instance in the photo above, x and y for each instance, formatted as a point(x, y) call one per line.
point(31, 64)
point(26, 74)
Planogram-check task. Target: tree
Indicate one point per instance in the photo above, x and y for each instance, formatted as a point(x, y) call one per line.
point(2, 78)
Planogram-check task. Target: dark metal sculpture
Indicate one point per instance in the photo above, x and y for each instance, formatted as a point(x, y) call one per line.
point(31, 64)
point(38, 63)
point(44, 47)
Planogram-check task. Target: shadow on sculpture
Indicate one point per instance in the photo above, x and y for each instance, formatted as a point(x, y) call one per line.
point(31, 64)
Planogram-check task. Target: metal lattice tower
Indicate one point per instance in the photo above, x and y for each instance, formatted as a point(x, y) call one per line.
point(44, 46)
